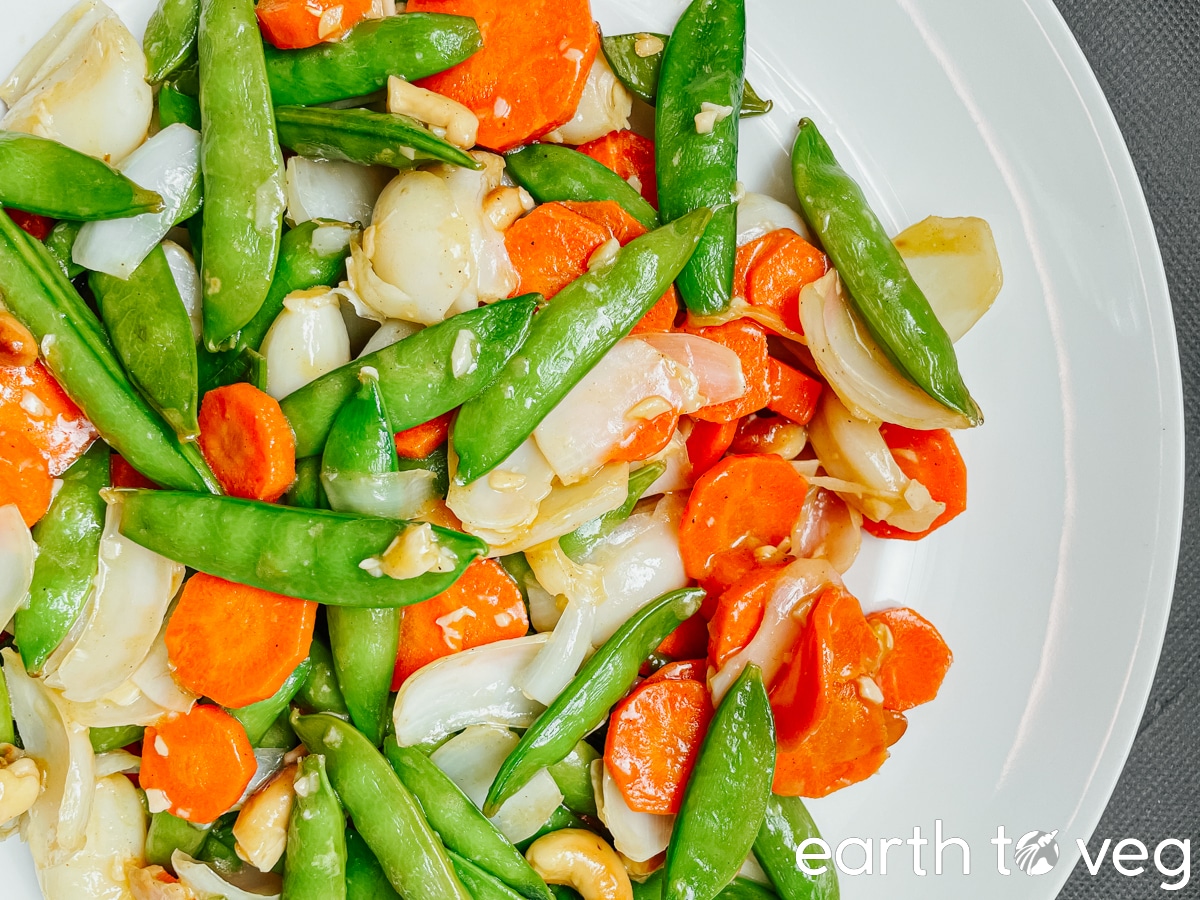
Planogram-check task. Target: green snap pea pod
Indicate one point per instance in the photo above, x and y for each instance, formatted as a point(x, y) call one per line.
point(78, 354)
point(306, 491)
point(310, 554)
point(785, 827)
point(481, 884)
point(877, 280)
point(416, 375)
point(258, 717)
point(410, 46)
point(551, 172)
point(726, 797)
point(573, 775)
point(45, 177)
point(320, 691)
point(316, 837)
point(738, 889)
point(176, 106)
point(384, 811)
point(60, 242)
point(169, 833)
point(562, 892)
point(559, 819)
point(152, 334)
point(566, 340)
point(68, 540)
point(460, 824)
point(8, 732)
point(584, 703)
point(516, 565)
point(579, 543)
point(640, 73)
point(280, 735)
point(365, 879)
point(697, 169)
point(230, 367)
point(170, 37)
point(436, 462)
point(219, 847)
point(365, 137)
point(114, 738)
point(242, 168)
point(363, 641)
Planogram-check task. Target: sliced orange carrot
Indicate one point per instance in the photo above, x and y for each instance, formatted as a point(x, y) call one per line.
point(739, 505)
point(775, 278)
point(647, 438)
point(126, 476)
point(748, 340)
point(483, 606)
point(914, 668)
point(551, 247)
point(197, 764)
point(24, 477)
point(631, 156)
point(611, 216)
point(529, 77)
point(748, 256)
point(236, 644)
point(708, 442)
point(688, 641)
point(31, 223)
point(296, 24)
point(932, 458)
point(739, 612)
point(248, 442)
point(681, 670)
point(654, 738)
point(662, 315)
point(793, 394)
point(421, 440)
point(33, 403)
point(762, 434)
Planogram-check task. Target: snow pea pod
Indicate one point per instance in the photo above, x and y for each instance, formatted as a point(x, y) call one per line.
point(315, 868)
point(460, 824)
point(699, 169)
point(45, 177)
point(280, 735)
point(566, 340)
point(726, 797)
point(230, 367)
point(364, 876)
point(550, 172)
point(785, 827)
point(176, 106)
point(877, 280)
point(306, 491)
point(573, 775)
point(114, 738)
point(320, 691)
point(168, 833)
point(170, 37)
point(584, 703)
point(580, 542)
point(78, 354)
point(152, 334)
point(416, 375)
point(384, 811)
point(410, 46)
point(738, 889)
point(310, 554)
point(559, 819)
point(257, 718)
point(365, 137)
point(60, 242)
point(8, 733)
point(242, 167)
point(363, 641)
point(481, 884)
point(68, 540)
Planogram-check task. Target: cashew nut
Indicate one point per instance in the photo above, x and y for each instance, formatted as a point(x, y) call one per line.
point(20, 782)
point(261, 826)
point(440, 113)
point(505, 205)
point(582, 860)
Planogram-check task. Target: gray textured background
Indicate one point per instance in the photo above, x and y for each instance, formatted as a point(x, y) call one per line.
point(1146, 54)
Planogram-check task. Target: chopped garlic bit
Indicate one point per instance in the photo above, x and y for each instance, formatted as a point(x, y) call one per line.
point(414, 552)
point(648, 45)
point(157, 801)
point(451, 636)
point(574, 54)
point(331, 23)
point(464, 358)
point(308, 785)
point(604, 254)
point(869, 690)
point(710, 115)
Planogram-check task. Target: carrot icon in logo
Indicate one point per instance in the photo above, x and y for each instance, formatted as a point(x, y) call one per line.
point(1036, 853)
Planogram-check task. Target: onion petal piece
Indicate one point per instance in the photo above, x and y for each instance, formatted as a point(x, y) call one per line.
point(332, 189)
point(638, 835)
point(126, 705)
point(717, 369)
point(758, 215)
point(187, 281)
point(562, 655)
point(206, 884)
point(507, 498)
point(153, 678)
point(828, 528)
point(306, 340)
point(17, 555)
point(392, 495)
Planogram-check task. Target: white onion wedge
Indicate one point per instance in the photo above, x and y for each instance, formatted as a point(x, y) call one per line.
point(168, 163)
point(392, 495)
point(604, 106)
point(53, 48)
point(332, 189)
point(678, 474)
point(474, 687)
point(153, 678)
point(390, 332)
point(206, 884)
point(17, 555)
point(507, 498)
point(758, 215)
point(638, 835)
point(717, 369)
point(828, 528)
point(305, 341)
point(117, 762)
point(558, 661)
point(187, 280)
point(126, 705)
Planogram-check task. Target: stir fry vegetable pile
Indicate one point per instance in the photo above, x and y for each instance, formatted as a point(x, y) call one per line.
point(415, 481)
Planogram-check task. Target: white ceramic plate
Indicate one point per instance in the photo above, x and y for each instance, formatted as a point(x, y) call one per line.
point(1053, 589)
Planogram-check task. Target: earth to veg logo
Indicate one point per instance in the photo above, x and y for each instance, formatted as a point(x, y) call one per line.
point(1036, 853)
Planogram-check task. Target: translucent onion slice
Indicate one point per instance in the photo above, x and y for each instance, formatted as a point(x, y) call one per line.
point(168, 163)
point(739, 308)
point(558, 661)
point(638, 835)
point(206, 884)
point(54, 47)
point(678, 474)
point(305, 341)
point(187, 280)
point(332, 189)
point(390, 332)
point(472, 760)
point(17, 555)
point(758, 215)
point(393, 495)
point(474, 687)
point(717, 369)
point(505, 500)
point(127, 705)
point(828, 528)
point(153, 678)
point(604, 106)
point(494, 275)
point(117, 762)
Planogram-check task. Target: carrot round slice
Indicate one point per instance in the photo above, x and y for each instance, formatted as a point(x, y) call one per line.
point(247, 442)
point(24, 477)
point(932, 458)
point(688, 641)
point(748, 340)
point(654, 737)
point(551, 247)
point(196, 765)
point(631, 156)
point(236, 644)
point(739, 612)
point(296, 24)
point(681, 670)
point(914, 668)
point(708, 442)
point(33, 402)
point(529, 77)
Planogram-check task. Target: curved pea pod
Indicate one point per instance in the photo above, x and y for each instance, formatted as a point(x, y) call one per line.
point(364, 137)
point(168, 833)
point(68, 539)
point(697, 166)
point(410, 46)
point(8, 733)
point(481, 883)
point(460, 824)
point(786, 825)
point(176, 106)
point(42, 176)
point(580, 542)
point(566, 340)
point(384, 811)
point(306, 491)
point(726, 797)
point(114, 737)
point(315, 868)
point(257, 718)
point(60, 243)
point(365, 879)
point(310, 554)
point(320, 691)
point(170, 37)
point(573, 775)
point(738, 889)
point(585, 702)
point(881, 288)
point(152, 334)
point(78, 354)
point(551, 172)
point(416, 375)
point(242, 167)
